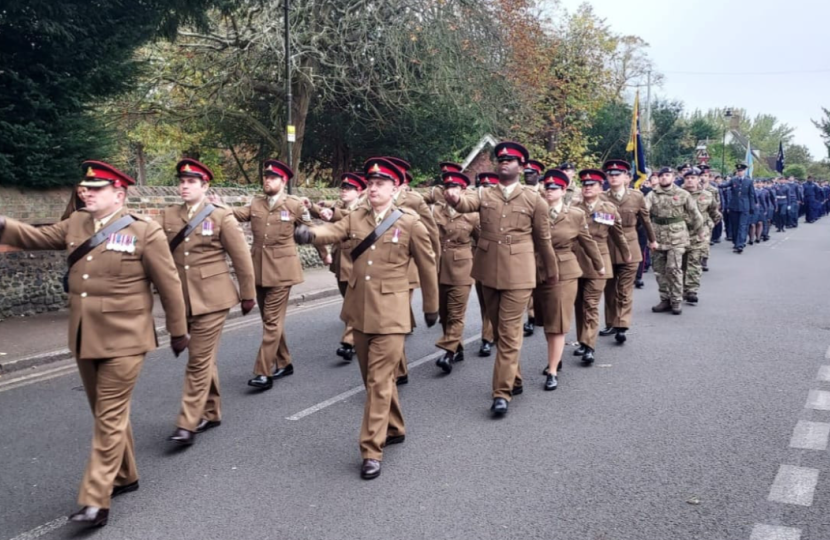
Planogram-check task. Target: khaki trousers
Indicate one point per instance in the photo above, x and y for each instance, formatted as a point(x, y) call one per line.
point(200, 398)
point(452, 308)
point(273, 305)
point(403, 366)
point(486, 325)
point(348, 332)
point(506, 309)
point(586, 309)
point(109, 386)
point(378, 356)
point(619, 295)
point(531, 313)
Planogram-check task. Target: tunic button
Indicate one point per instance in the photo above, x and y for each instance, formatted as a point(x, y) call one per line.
point(370, 263)
point(187, 267)
point(89, 258)
point(504, 215)
point(83, 295)
point(85, 276)
point(373, 247)
point(187, 239)
point(266, 236)
point(368, 278)
point(186, 253)
point(499, 241)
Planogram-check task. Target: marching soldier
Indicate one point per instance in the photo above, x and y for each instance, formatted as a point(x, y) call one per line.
point(484, 180)
point(605, 226)
point(435, 195)
point(741, 202)
point(273, 217)
point(114, 257)
point(456, 264)
point(674, 216)
point(698, 243)
point(533, 172)
point(570, 192)
point(514, 224)
point(619, 289)
point(706, 182)
point(386, 240)
point(200, 235)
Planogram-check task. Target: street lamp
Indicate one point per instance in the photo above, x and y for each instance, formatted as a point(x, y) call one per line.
point(727, 114)
point(289, 126)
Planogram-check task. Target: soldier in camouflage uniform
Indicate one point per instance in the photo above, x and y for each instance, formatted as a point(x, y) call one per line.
point(674, 216)
point(698, 244)
point(706, 182)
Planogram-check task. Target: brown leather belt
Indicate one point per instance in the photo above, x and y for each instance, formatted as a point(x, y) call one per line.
point(507, 238)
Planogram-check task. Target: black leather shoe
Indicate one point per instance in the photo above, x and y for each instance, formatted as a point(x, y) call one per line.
point(346, 352)
point(588, 357)
point(205, 425)
point(580, 350)
point(639, 283)
point(91, 516)
point(459, 356)
point(499, 407)
point(403, 379)
point(607, 331)
point(394, 439)
point(551, 383)
point(676, 309)
point(750, 242)
point(262, 382)
point(529, 328)
point(121, 490)
point(546, 371)
point(182, 437)
point(740, 250)
point(283, 372)
point(691, 298)
point(517, 390)
point(622, 335)
point(486, 348)
point(445, 362)
point(370, 469)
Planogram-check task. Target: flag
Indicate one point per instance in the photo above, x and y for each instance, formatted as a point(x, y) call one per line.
point(748, 160)
point(635, 145)
point(779, 163)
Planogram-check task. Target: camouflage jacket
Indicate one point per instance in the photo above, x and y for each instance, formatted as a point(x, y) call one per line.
point(674, 216)
point(715, 193)
point(709, 210)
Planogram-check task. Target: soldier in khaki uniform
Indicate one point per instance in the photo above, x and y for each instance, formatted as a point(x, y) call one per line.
point(484, 180)
point(277, 267)
point(377, 300)
point(209, 291)
point(111, 324)
point(435, 195)
point(698, 243)
point(619, 289)
point(571, 191)
point(605, 225)
point(454, 280)
point(514, 225)
point(674, 216)
point(533, 173)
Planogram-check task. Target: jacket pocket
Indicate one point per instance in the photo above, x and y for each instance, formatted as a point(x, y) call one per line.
point(389, 286)
point(526, 247)
point(214, 269)
point(284, 251)
point(462, 254)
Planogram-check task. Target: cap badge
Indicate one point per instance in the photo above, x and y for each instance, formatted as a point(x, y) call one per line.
point(90, 173)
point(375, 169)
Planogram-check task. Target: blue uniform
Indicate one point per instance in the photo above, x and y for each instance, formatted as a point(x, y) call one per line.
point(725, 199)
point(742, 201)
point(793, 200)
point(811, 205)
point(782, 206)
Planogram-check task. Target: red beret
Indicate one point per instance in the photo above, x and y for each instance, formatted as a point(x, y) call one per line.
point(191, 167)
point(99, 174)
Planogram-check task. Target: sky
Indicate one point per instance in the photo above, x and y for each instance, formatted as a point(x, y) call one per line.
point(765, 56)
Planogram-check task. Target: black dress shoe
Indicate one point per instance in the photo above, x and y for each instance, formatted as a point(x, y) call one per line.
point(445, 362)
point(346, 352)
point(182, 437)
point(529, 327)
point(588, 357)
point(517, 390)
point(91, 516)
point(546, 371)
point(499, 407)
point(370, 469)
point(262, 382)
point(622, 335)
point(459, 356)
point(486, 348)
point(205, 425)
point(607, 331)
point(121, 490)
point(394, 439)
point(639, 283)
point(691, 298)
point(403, 379)
point(580, 350)
point(551, 383)
point(283, 372)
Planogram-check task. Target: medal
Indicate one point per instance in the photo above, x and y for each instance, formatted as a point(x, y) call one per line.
point(395, 236)
point(284, 215)
point(111, 242)
point(131, 245)
point(207, 228)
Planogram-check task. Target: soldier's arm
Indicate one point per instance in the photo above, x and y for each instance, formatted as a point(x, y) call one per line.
point(541, 239)
point(753, 196)
point(469, 201)
point(420, 246)
point(618, 237)
point(233, 240)
point(25, 236)
point(330, 233)
point(589, 245)
point(429, 196)
point(242, 213)
point(428, 221)
point(645, 220)
point(160, 268)
point(694, 219)
point(714, 213)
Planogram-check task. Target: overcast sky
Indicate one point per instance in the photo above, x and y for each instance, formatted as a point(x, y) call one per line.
point(703, 46)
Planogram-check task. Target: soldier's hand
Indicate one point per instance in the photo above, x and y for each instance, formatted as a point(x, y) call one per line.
point(602, 271)
point(431, 319)
point(327, 259)
point(326, 214)
point(247, 306)
point(179, 344)
point(452, 197)
point(303, 235)
point(2, 224)
point(552, 280)
point(654, 245)
point(306, 202)
point(213, 198)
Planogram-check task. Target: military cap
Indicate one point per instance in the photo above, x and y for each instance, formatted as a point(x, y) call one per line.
point(451, 178)
point(591, 176)
point(683, 166)
point(275, 167)
point(533, 165)
point(567, 167)
point(704, 167)
point(511, 150)
point(556, 179)
point(664, 170)
point(383, 168)
point(399, 163)
point(191, 168)
point(489, 178)
point(693, 171)
point(616, 166)
point(98, 174)
point(354, 180)
point(741, 167)
point(449, 166)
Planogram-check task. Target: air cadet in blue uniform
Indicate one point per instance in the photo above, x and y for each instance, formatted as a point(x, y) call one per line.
point(770, 203)
point(741, 202)
point(794, 202)
point(782, 204)
point(725, 201)
point(811, 200)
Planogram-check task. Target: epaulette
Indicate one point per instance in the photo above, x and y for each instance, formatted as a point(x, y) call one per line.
point(220, 205)
point(410, 212)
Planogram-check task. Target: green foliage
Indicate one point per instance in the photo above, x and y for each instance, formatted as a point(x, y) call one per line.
point(823, 125)
point(798, 171)
point(610, 131)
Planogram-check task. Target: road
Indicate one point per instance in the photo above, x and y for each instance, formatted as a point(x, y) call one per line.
point(688, 431)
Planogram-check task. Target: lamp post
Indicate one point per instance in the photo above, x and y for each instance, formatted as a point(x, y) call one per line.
point(289, 127)
point(728, 115)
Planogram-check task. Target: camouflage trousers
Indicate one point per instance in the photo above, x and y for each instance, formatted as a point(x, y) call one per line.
point(668, 269)
point(693, 269)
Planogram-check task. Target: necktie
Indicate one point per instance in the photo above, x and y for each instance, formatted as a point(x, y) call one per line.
point(553, 214)
point(271, 202)
point(452, 211)
point(98, 225)
point(191, 212)
point(505, 192)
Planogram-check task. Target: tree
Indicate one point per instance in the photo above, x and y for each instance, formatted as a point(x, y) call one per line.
point(798, 171)
point(823, 125)
point(610, 131)
point(797, 154)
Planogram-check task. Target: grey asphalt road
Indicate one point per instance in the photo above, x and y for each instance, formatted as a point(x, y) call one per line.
point(679, 434)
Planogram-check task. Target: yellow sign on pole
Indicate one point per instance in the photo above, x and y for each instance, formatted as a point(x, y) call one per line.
point(292, 134)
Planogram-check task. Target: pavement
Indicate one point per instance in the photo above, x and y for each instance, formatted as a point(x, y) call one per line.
point(706, 426)
point(28, 342)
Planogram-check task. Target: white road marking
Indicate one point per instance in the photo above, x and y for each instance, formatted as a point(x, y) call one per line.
point(823, 374)
point(46, 528)
point(794, 485)
point(774, 532)
point(818, 400)
point(357, 389)
point(810, 435)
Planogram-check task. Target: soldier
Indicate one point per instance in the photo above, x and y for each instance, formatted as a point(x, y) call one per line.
point(698, 243)
point(200, 235)
point(794, 202)
point(555, 302)
point(619, 289)
point(273, 217)
point(605, 226)
point(533, 172)
point(484, 180)
point(454, 281)
point(114, 258)
point(811, 200)
point(717, 232)
point(377, 304)
point(706, 183)
point(570, 170)
point(435, 195)
point(741, 202)
point(674, 216)
point(642, 236)
point(514, 221)
point(781, 193)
